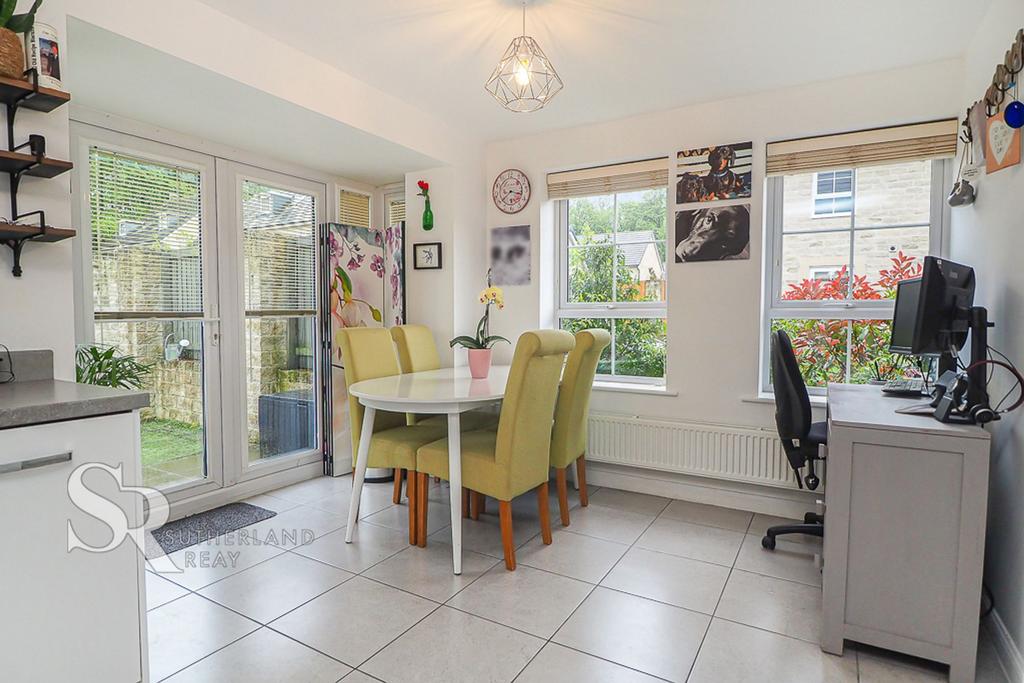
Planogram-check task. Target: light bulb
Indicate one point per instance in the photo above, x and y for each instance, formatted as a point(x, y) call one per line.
point(523, 72)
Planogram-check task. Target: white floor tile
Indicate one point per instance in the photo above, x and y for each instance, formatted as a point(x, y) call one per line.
point(792, 561)
point(160, 591)
point(557, 664)
point(734, 653)
point(269, 502)
point(359, 677)
point(640, 503)
point(679, 581)
point(696, 541)
point(375, 498)
point(428, 571)
point(785, 607)
point(484, 535)
point(214, 560)
point(638, 633)
point(397, 517)
point(297, 526)
point(268, 590)
point(370, 545)
point(263, 657)
point(711, 515)
point(186, 630)
point(313, 489)
point(607, 523)
point(527, 599)
point(454, 647)
point(574, 555)
point(354, 620)
point(878, 666)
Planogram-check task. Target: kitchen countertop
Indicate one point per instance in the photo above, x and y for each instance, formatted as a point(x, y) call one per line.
point(47, 400)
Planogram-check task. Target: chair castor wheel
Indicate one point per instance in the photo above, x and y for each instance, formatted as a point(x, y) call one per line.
point(768, 543)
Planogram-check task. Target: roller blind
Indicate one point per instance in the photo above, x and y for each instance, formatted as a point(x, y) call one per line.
point(146, 227)
point(279, 239)
point(396, 211)
point(864, 148)
point(354, 209)
point(637, 175)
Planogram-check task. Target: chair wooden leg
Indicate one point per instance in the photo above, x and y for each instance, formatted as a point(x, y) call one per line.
point(581, 478)
point(544, 508)
point(505, 513)
point(421, 525)
point(563, 495)
point(397, 498)
point(411, 492)
point(477, 502)
point(465, 502)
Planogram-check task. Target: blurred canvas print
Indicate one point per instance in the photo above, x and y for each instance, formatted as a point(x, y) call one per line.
point(713, 234)
point(713, 173)
point(510, 255)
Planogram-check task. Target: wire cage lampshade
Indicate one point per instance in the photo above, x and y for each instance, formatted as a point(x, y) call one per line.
point(524, 79)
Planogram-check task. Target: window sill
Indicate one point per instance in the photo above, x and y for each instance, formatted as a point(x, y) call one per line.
point(765, 397)
point(634, 388)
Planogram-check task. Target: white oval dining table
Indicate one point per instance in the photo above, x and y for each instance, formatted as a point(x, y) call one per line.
point(448, 391)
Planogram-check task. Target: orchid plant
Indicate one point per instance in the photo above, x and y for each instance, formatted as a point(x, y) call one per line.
point(492, 296)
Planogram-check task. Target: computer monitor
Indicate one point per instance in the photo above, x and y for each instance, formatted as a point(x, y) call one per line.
point(932, 313)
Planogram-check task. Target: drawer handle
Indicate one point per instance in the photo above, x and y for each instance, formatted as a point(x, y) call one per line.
point(32, 463)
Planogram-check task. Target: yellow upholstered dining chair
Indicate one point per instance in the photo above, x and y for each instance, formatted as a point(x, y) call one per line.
point(513, 459)
point(569, 436)
point(367, 353)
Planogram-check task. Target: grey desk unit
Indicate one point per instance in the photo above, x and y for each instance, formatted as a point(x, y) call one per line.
point(905, 513)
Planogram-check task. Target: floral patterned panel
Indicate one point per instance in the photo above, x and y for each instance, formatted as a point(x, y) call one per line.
point(394, 263)
point(357, 278)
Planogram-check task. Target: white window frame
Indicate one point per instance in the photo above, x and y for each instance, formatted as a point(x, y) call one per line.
point(774, 306)
point(634, 309)
point(815, 195)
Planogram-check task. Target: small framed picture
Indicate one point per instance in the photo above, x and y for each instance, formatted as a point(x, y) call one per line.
point(426, 256)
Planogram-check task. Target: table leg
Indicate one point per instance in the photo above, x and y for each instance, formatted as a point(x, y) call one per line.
point(360, 474)
point(455, 485)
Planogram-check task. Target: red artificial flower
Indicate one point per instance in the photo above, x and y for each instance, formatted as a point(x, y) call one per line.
point(423, 185)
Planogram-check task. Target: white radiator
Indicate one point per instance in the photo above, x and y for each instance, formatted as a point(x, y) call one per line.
point(742, 454)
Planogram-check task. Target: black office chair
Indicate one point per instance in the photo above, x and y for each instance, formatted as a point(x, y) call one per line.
point(800, 437)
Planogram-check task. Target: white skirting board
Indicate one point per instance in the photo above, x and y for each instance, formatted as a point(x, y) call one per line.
point(767, 500)
point(1006, 649)
point(747, 455)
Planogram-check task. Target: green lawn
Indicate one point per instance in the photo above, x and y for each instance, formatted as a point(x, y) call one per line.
point(172, 452)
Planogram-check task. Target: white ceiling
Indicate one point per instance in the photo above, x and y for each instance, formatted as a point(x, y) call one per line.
point(617, 57)
point(162, 90)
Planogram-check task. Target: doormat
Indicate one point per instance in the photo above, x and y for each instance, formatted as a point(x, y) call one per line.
point(204, 526)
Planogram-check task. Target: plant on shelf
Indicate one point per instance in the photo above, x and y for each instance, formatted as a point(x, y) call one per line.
point(428, 214)
point(106, 368)
point(479, 347)
point(12, 56)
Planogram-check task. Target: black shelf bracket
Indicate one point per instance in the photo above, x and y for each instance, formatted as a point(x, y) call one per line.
point(16, 246)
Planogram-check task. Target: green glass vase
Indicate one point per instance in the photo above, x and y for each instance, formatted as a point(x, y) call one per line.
point(428, 216)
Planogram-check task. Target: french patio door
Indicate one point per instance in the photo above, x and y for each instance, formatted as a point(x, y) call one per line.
point(149, 292)
point(269, 285)
point(204, 273)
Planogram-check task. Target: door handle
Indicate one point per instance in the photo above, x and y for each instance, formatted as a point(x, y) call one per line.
point(32, 463)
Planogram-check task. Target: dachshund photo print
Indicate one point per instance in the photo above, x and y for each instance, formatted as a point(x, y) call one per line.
point(510, 255)
point(714, 234)
point(714, 173)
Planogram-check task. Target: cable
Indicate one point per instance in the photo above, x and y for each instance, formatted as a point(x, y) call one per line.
point(1013, 371)
point(986, 593)
point(8, 374)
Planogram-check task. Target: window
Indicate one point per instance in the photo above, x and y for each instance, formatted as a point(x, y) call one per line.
point(612, 276)
point(396, 211)
point(832, 278)
point(354, 209)
point(833, 193)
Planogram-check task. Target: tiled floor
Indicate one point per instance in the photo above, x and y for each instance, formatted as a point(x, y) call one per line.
point(637, 588)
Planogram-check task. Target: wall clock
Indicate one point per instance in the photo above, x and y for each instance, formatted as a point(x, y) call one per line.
point(511, 191)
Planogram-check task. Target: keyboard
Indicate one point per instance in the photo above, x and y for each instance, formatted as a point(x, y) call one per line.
point(904, 386)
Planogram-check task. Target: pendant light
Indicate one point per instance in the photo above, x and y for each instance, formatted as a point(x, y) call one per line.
point(524, 79)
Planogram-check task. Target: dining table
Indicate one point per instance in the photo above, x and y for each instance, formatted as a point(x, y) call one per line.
point(447, 391)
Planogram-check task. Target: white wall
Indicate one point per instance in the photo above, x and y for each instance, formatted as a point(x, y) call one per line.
point(988, 235)
point(714, 308)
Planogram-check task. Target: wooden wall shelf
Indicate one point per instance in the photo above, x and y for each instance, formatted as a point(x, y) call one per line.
point(15, 235)
point(16, 162)
point(14, 91)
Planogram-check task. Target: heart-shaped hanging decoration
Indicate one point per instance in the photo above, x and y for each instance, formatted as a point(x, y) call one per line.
point(1002, 144)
